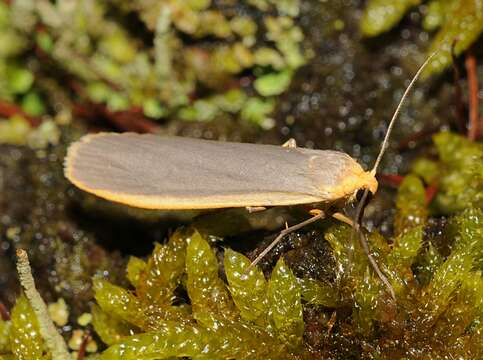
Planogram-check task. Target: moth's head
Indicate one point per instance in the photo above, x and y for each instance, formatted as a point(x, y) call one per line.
point(355, 180)
point(365, 181)
point(368, 182)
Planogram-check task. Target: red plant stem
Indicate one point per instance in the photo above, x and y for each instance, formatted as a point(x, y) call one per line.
point(4, 313)
point(431, 192)
point(82, 349)
point(396, 180)
point(8, 109)
point(390, 179)
point(128, 120)
point(470, 63)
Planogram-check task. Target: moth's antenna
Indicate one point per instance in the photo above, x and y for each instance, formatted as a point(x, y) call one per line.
point(362, 202)
point(396, 113)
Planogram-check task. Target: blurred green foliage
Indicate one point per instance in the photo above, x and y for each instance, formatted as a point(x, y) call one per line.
point(458, 22)
point(175, 59)
point(189, 300)
point(458, 174)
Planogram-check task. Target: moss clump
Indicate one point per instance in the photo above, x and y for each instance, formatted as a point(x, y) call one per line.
point(458, 174)
point(245, 317)
point(459, 22)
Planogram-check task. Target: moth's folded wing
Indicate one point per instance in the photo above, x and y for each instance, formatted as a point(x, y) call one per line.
point(162, 172)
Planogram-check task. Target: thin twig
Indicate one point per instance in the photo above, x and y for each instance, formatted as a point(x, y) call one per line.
point(54, 341)
point(390, 179)
point(470, 63)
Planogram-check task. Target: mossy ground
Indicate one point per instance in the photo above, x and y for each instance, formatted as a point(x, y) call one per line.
point(315, 295)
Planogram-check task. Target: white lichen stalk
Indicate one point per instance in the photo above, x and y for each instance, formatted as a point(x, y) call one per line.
point(54, 341)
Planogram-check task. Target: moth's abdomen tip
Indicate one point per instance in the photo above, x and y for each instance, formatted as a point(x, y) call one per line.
point(72, 165)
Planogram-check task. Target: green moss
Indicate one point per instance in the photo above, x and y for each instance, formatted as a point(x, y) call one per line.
point(284, 300)
point(273, 83)
point(320, 293)
point(381, 15)
point(135, 267)
point(410, 205)
point(253, 303)
point(109, 328)
point(460, 22)
point(5, 335)
point(458, 269)
point(461, 177)
point(218, 325)
point(208, 294)
point(25, 339)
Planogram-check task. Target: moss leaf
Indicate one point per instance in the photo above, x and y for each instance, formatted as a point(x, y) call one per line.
point(25, 338)
point(208, 294)
point(381, 15)
point(274, 83)
point(410, 205)
point(248, 288)
point(110, 329)
point(171, 340)
point(285, 305)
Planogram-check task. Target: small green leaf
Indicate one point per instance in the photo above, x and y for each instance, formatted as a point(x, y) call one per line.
point(135, 267)
point(119, 302)
point(25, 338)
point(172, 340)
point(257, 110)
point(19, 79)
point(208, 294)
point(5, 327)
point(410, 205)
point(33, 104)
point(110, 329)
point(381, 15)
point(248, 288)
point(285, 305)
point(274, 83)
point(153, 108)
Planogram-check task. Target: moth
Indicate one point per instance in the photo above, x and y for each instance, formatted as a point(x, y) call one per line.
point(176, 173)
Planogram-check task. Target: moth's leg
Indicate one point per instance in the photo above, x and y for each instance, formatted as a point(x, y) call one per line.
point(318, 214)
point(343, 218)
point(365, 247)
point(255, 209)
point(290, 143)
